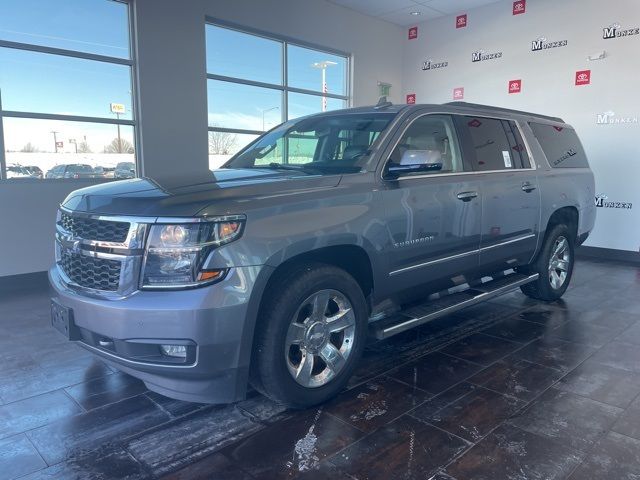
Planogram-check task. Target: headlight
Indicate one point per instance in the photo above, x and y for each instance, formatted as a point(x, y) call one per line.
point(176, 253)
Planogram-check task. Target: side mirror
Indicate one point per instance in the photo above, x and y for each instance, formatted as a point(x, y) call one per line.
point(416, 161)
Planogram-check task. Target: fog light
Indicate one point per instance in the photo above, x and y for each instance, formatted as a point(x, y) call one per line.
point(179, 351)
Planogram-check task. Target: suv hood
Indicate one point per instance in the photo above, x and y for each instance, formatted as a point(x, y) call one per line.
point(188, 196)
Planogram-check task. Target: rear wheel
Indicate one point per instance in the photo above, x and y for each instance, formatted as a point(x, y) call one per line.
point(554, 264)
point(311, 332)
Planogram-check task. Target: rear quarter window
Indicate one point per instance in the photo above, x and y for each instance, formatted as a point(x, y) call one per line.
point(561, 145)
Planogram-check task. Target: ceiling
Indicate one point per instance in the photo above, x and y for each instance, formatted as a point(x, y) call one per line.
point(399, 11)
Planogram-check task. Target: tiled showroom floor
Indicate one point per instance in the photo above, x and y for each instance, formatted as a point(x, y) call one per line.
point(509, 389)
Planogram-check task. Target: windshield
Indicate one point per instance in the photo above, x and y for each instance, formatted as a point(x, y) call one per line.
point(323, 144)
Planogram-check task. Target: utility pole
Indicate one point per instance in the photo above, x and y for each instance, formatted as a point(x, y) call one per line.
point(55, 139)
point(323, 66)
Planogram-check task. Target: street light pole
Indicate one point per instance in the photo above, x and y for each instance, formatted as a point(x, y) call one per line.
point(265, 111)
point(323, 66)
point(118, 108)
point(119, 140)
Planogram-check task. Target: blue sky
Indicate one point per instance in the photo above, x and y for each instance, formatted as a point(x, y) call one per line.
point(42, 83)
point(234, 54)
point(95, 26)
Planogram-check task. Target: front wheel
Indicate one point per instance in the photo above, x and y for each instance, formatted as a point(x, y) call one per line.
point(311, 333)
point(554, 265)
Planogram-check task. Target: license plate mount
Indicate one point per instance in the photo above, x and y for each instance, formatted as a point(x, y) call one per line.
point(62, 320)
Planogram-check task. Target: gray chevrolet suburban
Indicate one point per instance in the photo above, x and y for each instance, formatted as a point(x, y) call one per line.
point(330, 229)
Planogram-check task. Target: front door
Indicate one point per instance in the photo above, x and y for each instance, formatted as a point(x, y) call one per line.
point(433, 219)
point(511, 197)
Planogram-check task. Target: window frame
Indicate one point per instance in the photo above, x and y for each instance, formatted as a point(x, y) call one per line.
point(130, 62)
point(284, 88)
point(461, 139)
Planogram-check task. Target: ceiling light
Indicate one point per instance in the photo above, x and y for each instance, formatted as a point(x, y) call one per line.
point(415, 14)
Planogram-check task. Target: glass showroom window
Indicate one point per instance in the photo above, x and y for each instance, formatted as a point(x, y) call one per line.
point(256, 82)
point(66, 102)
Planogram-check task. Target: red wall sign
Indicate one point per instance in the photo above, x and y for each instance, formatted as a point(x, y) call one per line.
point(461, 21)
point(515, 86)
point(519, 7)
point(583, 77)
point(413, 33)
point(458, 93)
point(411, 98)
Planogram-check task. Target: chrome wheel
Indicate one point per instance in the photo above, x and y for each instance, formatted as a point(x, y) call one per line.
point(559, 263)
point(320, 338)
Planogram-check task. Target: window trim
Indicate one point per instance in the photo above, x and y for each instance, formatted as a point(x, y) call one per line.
point(283, 87)
point(440, 175)
point(130, 62)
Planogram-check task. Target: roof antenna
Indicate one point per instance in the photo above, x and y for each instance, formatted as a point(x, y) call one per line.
point(383, 103)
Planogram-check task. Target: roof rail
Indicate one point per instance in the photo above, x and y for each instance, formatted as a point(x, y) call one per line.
point(507, 110)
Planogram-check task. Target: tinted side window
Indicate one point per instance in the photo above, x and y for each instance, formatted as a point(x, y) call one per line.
point(489, 144)
point(433, 139)
point(561, 146)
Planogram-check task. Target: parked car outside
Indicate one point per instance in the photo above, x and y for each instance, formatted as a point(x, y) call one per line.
point(125, 170)
point(74, 170)
point(104, 172)
point(330, 228)
point(35, 171)
point(18, 171)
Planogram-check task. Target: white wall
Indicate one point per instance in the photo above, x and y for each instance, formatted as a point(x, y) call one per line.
point(27, 222)
point(172, 101)
point(548, 84)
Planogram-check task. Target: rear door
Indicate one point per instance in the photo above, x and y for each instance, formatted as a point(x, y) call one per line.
point(433, 219)
point(511, 197)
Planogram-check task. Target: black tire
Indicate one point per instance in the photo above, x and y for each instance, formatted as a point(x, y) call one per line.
point(543, 288)
point(270, 369)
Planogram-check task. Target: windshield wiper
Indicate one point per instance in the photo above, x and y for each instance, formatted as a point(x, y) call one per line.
point(297, 168)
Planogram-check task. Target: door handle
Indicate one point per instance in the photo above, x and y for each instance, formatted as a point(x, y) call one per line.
point(528, 187)
point(467, 196)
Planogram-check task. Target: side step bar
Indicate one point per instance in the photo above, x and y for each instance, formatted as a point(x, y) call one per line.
point(420, 314)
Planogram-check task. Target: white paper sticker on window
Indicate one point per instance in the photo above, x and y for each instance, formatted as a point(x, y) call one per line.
point(507, 158)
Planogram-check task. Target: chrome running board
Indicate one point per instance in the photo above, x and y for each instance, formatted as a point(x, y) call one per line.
point(420, 314)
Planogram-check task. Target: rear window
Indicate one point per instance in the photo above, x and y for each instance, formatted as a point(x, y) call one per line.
point(80, 168)
point(561, 145)
point(497, 144)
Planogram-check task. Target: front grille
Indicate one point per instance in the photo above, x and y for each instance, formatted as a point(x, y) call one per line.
point(93, 229)
point(90, 272)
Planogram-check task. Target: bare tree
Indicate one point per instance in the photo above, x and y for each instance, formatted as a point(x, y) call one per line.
point(29, 148)
point(119, 145)
point(221, 143)
point(83, 147)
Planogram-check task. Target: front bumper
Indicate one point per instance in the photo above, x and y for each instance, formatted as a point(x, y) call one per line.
point(215, 320)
